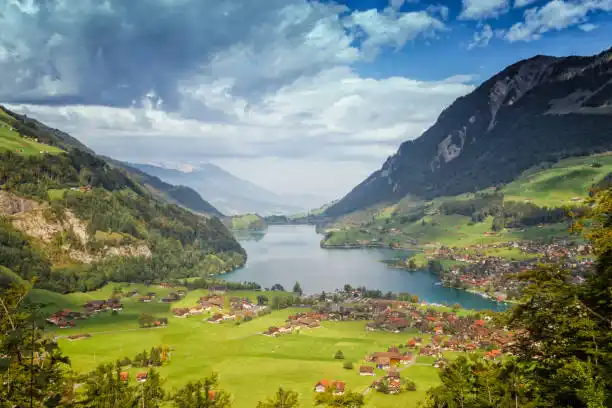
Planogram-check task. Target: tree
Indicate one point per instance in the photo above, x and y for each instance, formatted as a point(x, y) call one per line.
point(339, 355)
point(262, 300)
point(562, 355)
point(278, 287)
point(414, 299)
point(349, 399)
point(32, 368)
point(202, 394)
point(348, 365)
point(348, 288)
point(297, 289)
point(282, 399)
point(412, 264)
point(103, 387)
point(322, 296)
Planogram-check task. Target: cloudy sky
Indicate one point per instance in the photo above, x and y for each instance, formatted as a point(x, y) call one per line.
point(298, 96)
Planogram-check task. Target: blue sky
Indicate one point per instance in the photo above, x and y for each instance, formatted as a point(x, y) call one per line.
point(295, 95)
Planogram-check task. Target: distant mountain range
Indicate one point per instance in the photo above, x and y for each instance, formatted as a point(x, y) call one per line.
point(230, 194)
point(538, 110)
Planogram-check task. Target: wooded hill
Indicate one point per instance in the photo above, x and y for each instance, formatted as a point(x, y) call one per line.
point(73, 221)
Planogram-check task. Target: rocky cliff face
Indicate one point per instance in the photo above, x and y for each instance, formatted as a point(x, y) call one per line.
point(541, 109)
point(38, 222)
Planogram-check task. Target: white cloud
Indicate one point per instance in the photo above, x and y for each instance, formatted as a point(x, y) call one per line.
point(588, 27)
point(225, 81)
point(391, 28)
point(335, 116)
point(555, 15)
point(481, 38)
point(483, 9)
point(440, 9)
point(523, 3)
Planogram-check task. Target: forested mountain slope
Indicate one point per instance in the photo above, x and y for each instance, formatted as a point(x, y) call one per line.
point(74, 222)
point(540, 109)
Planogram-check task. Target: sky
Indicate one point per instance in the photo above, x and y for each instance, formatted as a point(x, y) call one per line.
point(298, 96)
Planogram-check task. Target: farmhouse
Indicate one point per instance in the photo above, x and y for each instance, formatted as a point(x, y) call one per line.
point(321, 386)
point(124, 376)
point(142, 377)
point(366, 370)
point(338, 387)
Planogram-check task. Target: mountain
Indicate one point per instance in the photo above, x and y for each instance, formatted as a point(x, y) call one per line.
point(179, 195)
point(538, 110)
point(75, 221)
point(230, 194)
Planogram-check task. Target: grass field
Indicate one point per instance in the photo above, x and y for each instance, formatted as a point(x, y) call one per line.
point(251, 366)
point(562, 184)
point(10, 140)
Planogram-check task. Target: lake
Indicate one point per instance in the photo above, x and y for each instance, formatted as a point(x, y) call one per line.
point(289, 253)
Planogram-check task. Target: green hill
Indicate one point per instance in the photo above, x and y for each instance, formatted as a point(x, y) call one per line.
point(533, 206)
point(74, 221)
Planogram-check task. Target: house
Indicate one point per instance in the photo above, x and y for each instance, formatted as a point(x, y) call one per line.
point(366, 370)
point(145, 299)
point(141, 377)
point(338, 387)
point(124, 376)
point(181, 312)
point(395, 386)
point(212, 395)
point(393, 373)
point(216, 318)
point(383, 362)
point(194, 310)
point(321, 386)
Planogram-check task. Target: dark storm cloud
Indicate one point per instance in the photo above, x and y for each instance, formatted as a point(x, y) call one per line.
point(112, 52)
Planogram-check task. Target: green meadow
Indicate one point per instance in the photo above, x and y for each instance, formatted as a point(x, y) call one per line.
point(251, 366)
point(12, 141)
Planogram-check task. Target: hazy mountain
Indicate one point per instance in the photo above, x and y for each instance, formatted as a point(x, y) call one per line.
point(540, 109)
point(230, 194)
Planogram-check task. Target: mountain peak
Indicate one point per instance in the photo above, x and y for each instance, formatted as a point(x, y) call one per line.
point(540, 109)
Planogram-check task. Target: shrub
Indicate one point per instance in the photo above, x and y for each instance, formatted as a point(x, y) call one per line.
point(339, 355)
point(348, 365)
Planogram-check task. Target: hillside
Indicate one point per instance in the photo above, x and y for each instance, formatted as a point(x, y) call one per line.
point(74, 221)
point(230, 194)
point(177, 194)
point(537, 110)
point(533, 206)
point(245, 222)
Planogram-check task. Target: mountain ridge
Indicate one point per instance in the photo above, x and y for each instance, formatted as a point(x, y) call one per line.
point(473, 143)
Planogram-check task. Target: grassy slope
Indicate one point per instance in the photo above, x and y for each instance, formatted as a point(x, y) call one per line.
point(251, 366)
point(242, 222)
point(552, 187)
point(12, 141)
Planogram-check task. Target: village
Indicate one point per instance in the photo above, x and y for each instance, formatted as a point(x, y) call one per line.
point(431, 332)
point(494, 276)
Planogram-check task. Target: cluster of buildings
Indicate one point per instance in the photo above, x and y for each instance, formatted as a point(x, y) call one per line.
point(308, 320)
point(336, 387)
point(65, 318)
point(95, 306)
point(480, 270)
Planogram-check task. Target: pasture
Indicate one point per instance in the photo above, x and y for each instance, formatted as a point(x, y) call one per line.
point(251, 366)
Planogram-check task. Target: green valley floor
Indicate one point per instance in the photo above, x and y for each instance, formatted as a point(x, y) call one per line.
point(251, 366)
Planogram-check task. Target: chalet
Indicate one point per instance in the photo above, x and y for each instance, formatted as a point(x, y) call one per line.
point(142, 377)
point(95, 305)
point(195, 310)
point(394, 357)
point(151, 295)
point(366, 370)
point(493, 354)
point(124, 376)
point(392, 350)
point(181, 312)
point(216, 318)
point(145, 299)
point(383, 362)
point(322, 386)
point(406, 359)
point(165, 285)
point(338, 387)
point(393, 373)
point(395, 386)
point(114, 304)
point(272, 331)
